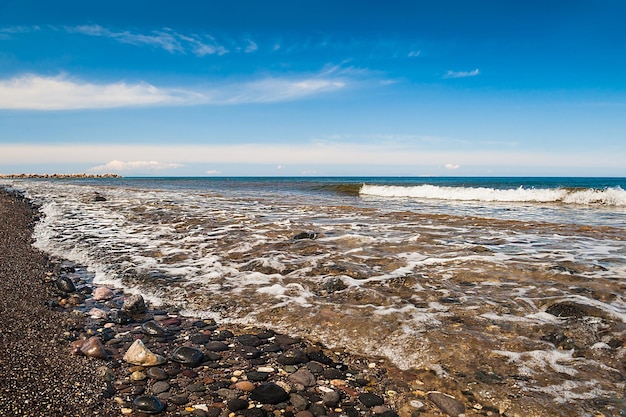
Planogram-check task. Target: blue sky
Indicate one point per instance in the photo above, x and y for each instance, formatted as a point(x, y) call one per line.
point(313, 87)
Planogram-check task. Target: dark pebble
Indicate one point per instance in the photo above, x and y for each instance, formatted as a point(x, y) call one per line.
point(157, 374)
point(304, 235)
point(317, 410)
point(333, 373)
point(66, 285)
point(257, 376)
point(134, 305)
point(148, 404)
point(254, 412)
point(223, 335)
point(315, 368)
point(266, 334)
point(269, 393)
point(179, 399)
point(216, 346)
point(214, 412)
point(292, 357)
point(320, 357)
point(271, 348)
point(153, 328)
point(249, 340)
point(119, 317)
point(249, 352)
point(211, 356)
point(282, 339)
point(197, 387)
point(237, 404)
point(370, 400)
point(187, 356)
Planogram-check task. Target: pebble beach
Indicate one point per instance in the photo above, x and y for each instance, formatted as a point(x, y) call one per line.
point(70, 348)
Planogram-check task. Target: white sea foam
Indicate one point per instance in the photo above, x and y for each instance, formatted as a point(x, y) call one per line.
point(609, 197)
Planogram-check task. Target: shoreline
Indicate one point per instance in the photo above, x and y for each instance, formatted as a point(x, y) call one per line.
point(220, 370)
point(57, 176)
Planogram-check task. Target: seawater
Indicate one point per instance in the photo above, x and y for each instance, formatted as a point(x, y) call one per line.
point(513, 288)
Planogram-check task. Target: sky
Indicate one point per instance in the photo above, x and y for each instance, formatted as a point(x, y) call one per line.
point(314, 88)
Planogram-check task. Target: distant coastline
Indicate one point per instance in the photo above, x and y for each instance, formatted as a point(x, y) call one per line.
point(60, 176)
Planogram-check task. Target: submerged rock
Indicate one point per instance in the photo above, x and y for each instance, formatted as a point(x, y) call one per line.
point(305, 235)
point(103, 293)
point(153, 328)
point(139, 354)
point(447, 403)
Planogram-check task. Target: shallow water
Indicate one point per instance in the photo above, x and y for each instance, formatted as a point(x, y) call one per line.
point(521, 304)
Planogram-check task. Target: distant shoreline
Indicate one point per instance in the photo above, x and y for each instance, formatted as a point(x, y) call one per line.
point(26, 176)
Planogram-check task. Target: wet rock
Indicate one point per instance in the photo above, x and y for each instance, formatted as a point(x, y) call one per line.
point(153, 328)
point(98, 197)
point(574, 309)
point(148, 404)
point(333, 373)
point(245, 386)
point(298, 401)
point(249, 352)
point(257, 376)
point(269, 393)
point(93, 348)
point(254, 412)
point(332, 398)
point(98, 313)
point(292, 357)
point(179, 399)
point(303, 377)
point(447, 403)
point(65, 285)
point(139, 354)
point(119, 317)
point(315, 368)
point(305, 235)
point(370, 400)
point(317, 410)
point(196, 387)
point(134, 305)
point(319, 356)
point(187, 356)
point(103, 293)
point(199, 338)
point(249, 340)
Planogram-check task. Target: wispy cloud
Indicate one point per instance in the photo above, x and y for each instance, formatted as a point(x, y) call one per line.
point(462, 74)
point(121, 166)
point(165, 38)
point(452, 166)
point(32, 92)
point(414, 54)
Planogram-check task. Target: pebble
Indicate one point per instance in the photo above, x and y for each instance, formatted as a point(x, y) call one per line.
point(157, 374)
point(138, 376)
point(269, 393)
point(292, 357)
point(93, 348)
point(303, 377)
point(370, 400)
point(153, 328)
point(139, 354)
point(447, 403)
point(159, 387)
point(216, 346)
point(237, 404)
point(245, 386)
point(187, 356)
point(265, 369)
point(103, 293)
point(134, 305)
point(148, 404)
point(65, 285)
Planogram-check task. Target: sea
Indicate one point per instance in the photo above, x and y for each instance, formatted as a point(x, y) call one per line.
point(510, 289)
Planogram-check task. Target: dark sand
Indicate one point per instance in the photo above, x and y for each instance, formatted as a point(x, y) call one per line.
point(37, 375)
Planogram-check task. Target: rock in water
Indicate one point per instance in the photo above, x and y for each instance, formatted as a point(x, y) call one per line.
point(371, 400)
point(148, 404)
point(269, 393)
point(103, 293)
point(66, 285)
point(447, 403)
point(134, 305)
point(93, 348)
point(139, 354)
point(187, 356)
point(304, 235)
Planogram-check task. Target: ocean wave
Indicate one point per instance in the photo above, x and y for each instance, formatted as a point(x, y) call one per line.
point(614, 196)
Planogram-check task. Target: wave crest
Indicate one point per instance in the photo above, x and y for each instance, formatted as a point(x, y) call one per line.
point(614, 196)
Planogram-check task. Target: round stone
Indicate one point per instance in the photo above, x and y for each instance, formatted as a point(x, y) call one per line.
point(302, 377)
point(244, 386)
point(187, 356)
point(157, 374)
point(103, 293)
point(249, 340)
point(257, 376)
point(199, 338)
point(93, 348)
point(216, 346)
point(148, 404)
point(134, 305)
point(66, 285)
point(159, 387)
point(138, 376)
point(269, 393)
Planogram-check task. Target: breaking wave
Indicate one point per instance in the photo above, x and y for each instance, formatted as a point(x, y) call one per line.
point(614, 196)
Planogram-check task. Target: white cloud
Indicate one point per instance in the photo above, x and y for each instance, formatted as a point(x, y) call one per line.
point(32, 92)
point(121, 166)
point(462, 74)
point(452, 166)
point(414, 54)
point(212, 172)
